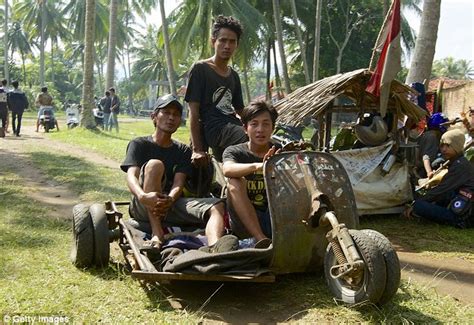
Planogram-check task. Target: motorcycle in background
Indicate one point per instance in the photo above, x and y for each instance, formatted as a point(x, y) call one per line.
point(47, 120)
point(72, 116)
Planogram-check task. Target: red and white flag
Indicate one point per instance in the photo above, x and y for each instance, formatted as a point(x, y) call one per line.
point(389, 63)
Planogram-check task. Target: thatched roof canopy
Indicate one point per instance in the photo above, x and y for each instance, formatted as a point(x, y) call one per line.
point(313, 99)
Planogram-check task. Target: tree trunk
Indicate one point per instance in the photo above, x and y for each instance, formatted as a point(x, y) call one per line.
point(5, 43)
point(112, 44)
point(42, 41)
point(23, 65)
point(87, 119)
point(268, 92)
point(277, 73)
point(52, 62)
point(169, 60)
point(420, 67)
point(300, 42)
point(317, 38)
point(281, 48)
point(246, 83)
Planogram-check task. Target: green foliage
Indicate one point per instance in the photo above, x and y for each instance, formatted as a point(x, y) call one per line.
point(452, 68)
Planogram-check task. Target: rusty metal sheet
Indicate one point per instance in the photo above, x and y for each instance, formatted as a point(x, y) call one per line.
point(292, 180)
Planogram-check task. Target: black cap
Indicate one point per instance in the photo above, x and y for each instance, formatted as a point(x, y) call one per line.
point(165, 100)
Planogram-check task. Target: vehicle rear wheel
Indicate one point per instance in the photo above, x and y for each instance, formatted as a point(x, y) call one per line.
point(365, 285)
point(46, 127)
point(82, 252)
point(392, 264)
point(101, 234)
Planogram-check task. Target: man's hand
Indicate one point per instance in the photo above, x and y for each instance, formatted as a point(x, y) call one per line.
point(156, 203)
point(273, 150)
point(200, 159)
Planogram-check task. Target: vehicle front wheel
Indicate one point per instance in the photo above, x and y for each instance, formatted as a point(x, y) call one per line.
point(364, 285)
point(391, 262)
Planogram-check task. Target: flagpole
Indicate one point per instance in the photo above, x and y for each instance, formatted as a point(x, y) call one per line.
point(380, 35)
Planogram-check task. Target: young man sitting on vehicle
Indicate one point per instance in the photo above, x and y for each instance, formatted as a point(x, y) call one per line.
point(157, 167)
point(45, 101)
point(451, 201)
point(243, 165)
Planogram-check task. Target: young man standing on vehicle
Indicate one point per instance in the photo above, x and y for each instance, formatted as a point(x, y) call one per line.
point(157, 167)
point(243, 165)
point(17, 103)
point(44, 100)
point(214, 94)
point(114, 110)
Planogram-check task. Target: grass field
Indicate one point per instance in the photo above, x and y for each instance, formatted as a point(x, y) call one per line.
point(37, 277)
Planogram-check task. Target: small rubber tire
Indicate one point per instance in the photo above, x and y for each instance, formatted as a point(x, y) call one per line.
point(46, 128)
point(101, 235)
point(82, 252)
point(392, 264)
point(374, 274)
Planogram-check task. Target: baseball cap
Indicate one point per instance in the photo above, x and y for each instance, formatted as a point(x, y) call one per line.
point(165, 100)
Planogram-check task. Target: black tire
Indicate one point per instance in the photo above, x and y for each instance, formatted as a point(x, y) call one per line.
point(46, 127)
point(392, 264)
point(82, 252)
point(372, 285)
point(101, 235)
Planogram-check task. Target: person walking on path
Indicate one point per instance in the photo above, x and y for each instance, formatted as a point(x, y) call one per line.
point(105, 105)
point(115, 110)
point(214, 94)
point(3, 107)
point(17, 103)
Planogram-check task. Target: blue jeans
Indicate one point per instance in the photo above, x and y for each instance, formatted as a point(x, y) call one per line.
point(436, 213)
point(113, 121)
point(106, 121)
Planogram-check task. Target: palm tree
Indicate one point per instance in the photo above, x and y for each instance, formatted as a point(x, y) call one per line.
point(18, 41)
point(421, 63)
point(452, 68)
point(294, 15)
point(281, 46)
point(317, 39)
point(35, 15)
point(169, 60)
point(88, 81)
point(5, 41)
point(109, 79)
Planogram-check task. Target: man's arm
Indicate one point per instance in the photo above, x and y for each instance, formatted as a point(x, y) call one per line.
point(199, 156)
point(236, 170)
point(177, 187)
point(151, 199)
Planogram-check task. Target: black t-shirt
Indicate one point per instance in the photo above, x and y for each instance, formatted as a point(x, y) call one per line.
point(460, 175)
point(177, 158)
point(240, 153)
point(205, 86)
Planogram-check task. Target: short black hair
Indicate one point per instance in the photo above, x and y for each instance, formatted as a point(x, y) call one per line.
point(255, 108)
point(112, 89)
point(15, 83)
point(4, 82)
point(107, 93)
point(44, 89)
point(226, 22)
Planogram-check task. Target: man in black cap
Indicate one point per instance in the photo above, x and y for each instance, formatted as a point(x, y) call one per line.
point(157, 167)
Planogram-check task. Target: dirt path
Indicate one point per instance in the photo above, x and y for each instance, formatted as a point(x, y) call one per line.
point(449, 276)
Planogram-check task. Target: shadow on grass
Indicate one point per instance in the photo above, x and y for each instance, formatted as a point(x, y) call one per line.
point(292, 298)
point(420, 236)
point(80, 175)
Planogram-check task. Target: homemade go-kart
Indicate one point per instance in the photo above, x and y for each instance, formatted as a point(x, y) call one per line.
point(314, 223)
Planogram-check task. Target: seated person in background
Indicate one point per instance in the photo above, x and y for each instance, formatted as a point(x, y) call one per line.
point(44, 101)
point(243, 164)
point(442, 203)
point(429, 144)
point(157, 167)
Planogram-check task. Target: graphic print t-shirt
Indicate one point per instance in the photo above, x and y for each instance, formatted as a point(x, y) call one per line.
point(205, 87)
point(240, 153)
